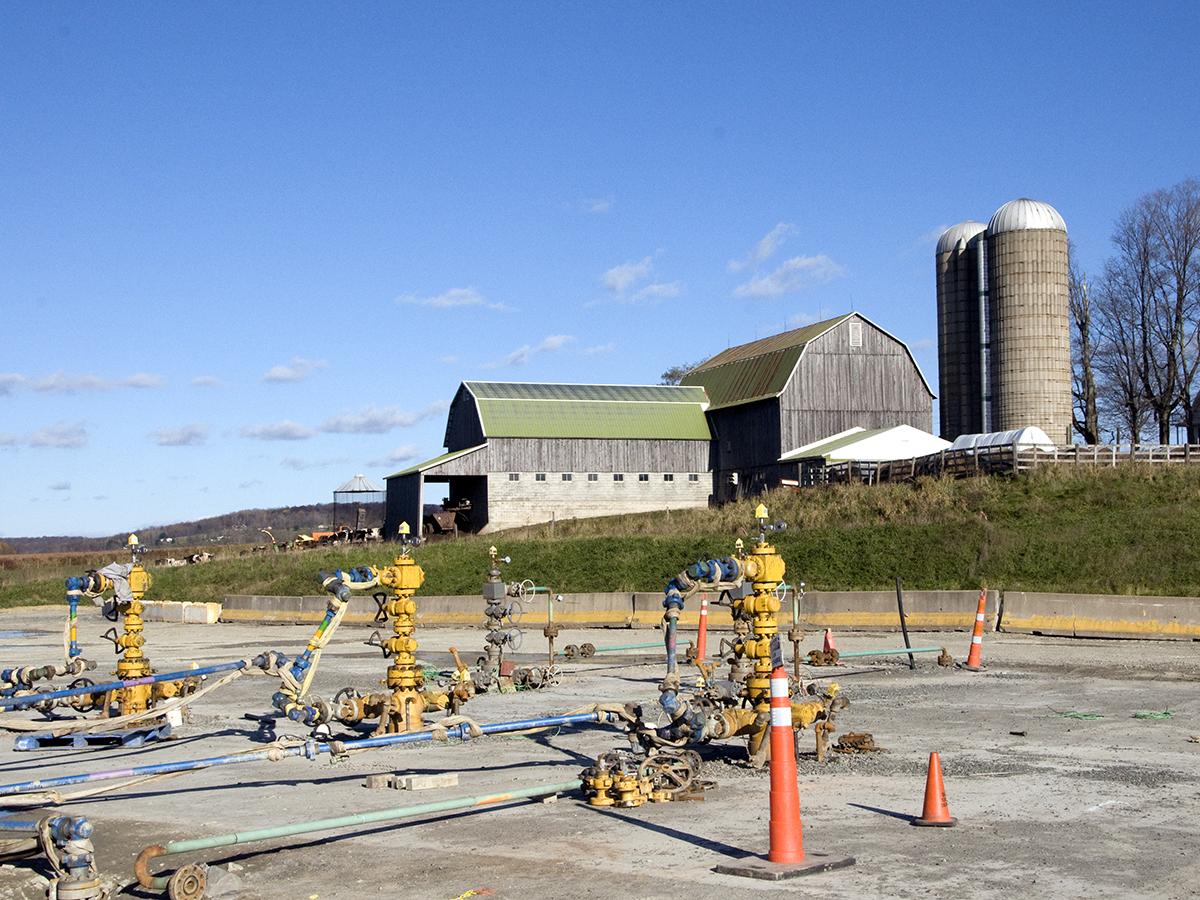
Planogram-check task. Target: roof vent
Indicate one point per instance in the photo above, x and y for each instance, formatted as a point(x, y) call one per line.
point(856, 334)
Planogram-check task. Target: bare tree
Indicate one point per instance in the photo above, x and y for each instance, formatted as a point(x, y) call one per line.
point(675, 374)
point(1176, 234)
point(1083, 354)
point(1118, 360)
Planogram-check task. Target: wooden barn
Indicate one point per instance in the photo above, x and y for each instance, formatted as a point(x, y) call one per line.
point(774, 395)
point(519, 454)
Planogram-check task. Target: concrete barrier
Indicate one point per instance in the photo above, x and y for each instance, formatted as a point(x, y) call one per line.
point(186, 612)
point(877, 611)
point(1098, 615)
point(845, 610)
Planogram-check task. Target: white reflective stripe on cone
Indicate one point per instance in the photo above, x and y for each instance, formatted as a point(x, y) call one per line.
point(779, 688)
point(782, 716)
point(976, 639)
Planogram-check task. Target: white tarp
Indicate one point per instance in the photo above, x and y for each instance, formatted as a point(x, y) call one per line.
point(1029, 436)
point(876, 445)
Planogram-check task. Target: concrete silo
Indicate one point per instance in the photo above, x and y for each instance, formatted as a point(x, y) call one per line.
point(961, 287)
point(1030, 368)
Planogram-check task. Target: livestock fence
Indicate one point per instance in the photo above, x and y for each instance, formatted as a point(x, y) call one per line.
point(1003, 461)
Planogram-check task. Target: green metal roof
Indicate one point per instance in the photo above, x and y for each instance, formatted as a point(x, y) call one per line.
point(757, 370)
point(593, 419)
point(436, 461)
point(642, 393)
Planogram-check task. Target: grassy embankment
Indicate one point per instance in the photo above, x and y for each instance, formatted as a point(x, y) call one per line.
point(1129, 530)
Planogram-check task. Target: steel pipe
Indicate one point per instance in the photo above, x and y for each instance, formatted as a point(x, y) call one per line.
point(852, 654)
point(159, 882)
point(261, 661)
point(310, 749)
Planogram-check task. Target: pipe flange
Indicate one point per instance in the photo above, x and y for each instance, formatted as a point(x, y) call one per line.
point(188, 882)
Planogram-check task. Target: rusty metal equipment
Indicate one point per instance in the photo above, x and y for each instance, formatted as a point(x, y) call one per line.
point(625, 780)
point(504, 607)
point(401, 707)
point(739, 705)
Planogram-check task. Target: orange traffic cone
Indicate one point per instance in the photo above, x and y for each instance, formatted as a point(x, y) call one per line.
point(785, 857)
point(936, 813)
point(974, 661)
point(787, 833)
point(829, 642)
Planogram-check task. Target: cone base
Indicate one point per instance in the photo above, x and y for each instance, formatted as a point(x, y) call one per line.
point(972, 668)
point(936, 823)
point(763, 869)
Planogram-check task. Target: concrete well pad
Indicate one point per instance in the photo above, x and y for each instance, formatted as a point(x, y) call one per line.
point(1048, 805)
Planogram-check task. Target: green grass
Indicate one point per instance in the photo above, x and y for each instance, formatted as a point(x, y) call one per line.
point(1129, 530)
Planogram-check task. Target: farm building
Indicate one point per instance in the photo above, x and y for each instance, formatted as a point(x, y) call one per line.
point(783, 392)
point(808, 464)
point(519, 454)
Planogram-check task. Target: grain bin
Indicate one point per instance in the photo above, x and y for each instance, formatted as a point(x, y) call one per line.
point(1029, 321)
point(960, 386)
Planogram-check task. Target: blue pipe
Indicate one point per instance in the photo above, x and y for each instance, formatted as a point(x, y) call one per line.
point(262, 661)
point(310, 749)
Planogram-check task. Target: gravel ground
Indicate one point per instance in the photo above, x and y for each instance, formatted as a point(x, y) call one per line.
point(1048, 805)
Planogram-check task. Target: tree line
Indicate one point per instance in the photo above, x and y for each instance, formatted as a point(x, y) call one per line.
point(1135, 325)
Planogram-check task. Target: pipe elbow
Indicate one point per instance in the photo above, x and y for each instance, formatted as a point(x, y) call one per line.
point(141, 865)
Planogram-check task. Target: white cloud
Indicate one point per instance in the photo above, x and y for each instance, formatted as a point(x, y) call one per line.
point(791, 276)
point(799, 320)
point(10, 381)
point(452, 299)
point(380, 419)
point(184, 436)
point(297, 370)
point(61, 436)
point(207, 381)
point(620, 278)
point(599, 349)
point(764, 249)
point(63, 383)
point(244, 485)
point(402, 454)
point(61, 486)
point(277, 431)
point(449, 359)
point(931, 236)
point(596, 205)
point(9, 440)
point(921, 344)
point(659, 290)
point(526, 352)
point(292, 462)
point(140, 380)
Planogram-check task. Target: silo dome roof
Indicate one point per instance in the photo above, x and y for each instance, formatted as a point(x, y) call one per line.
point(963, 231)
point(1025, 215)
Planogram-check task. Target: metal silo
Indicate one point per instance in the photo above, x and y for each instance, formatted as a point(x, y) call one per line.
point(960, 384)
point(1029, 320)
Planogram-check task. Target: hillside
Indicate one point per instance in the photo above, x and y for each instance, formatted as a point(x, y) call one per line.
point(1127, 530)
point(241, 527)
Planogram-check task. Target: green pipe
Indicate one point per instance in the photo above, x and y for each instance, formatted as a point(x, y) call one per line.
point(642, 646)
point(159, 882)
point(850, 654)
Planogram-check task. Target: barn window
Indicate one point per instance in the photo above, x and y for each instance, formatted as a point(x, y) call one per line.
point(856, 338)
point(618, 476)
point(644, 477)
point(540, 476)
point(592, 476)
point(567, 476)
point(514, 476)
point(693, 476)
point(669, 477)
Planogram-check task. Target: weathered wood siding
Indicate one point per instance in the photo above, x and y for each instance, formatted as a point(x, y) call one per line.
point(746, 441)
point(463, 427)
point(837, 386)
point(403, 504)
point(589, 455)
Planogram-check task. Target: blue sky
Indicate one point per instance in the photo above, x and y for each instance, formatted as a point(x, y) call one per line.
point(250, 250)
